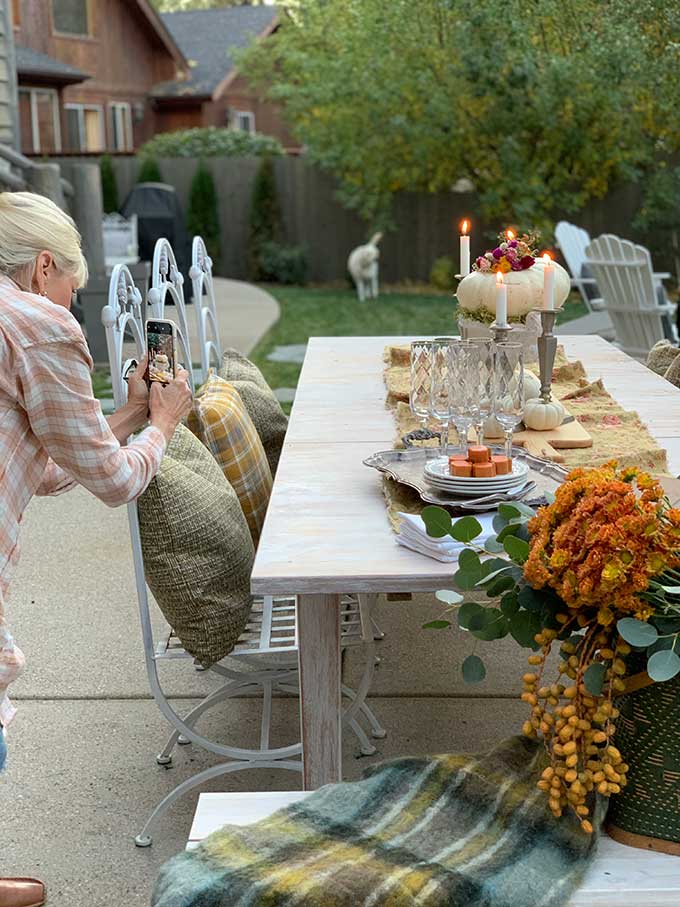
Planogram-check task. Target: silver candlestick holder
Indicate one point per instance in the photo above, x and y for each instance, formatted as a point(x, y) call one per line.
point(547, 348)
point(500, 332)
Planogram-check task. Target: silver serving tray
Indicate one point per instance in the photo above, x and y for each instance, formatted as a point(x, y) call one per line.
point(406, 466)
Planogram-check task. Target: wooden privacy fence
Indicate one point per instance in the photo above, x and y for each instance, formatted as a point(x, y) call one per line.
point(426, 225)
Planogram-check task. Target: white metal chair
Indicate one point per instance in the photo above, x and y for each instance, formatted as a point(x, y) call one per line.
point(204, 304)
point(623, 272)
point(268, 646)
point(573, 242)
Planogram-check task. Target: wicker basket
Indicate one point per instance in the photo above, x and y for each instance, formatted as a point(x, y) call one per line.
point(647, 812)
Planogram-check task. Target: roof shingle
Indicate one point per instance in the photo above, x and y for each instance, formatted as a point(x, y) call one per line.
point(33, 63)
point(207, 38)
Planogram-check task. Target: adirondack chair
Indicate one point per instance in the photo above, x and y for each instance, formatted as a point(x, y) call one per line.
point(573, 241)
point(623, 272)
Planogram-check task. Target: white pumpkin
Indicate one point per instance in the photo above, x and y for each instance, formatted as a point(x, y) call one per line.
point(542, 416)
point(532, 386)
point(525, 289)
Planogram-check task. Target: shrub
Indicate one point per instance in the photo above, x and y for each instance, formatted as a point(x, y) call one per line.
point(210, 141)
point(109, 185)
point(149, 171)
point(283, 264)
point(203, 217)
point(443, 273)
point(265, 217)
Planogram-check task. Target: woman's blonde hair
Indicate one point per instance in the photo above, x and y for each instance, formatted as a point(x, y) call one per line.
point(31, 224)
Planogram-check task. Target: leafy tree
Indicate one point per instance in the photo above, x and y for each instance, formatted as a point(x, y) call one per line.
point(149, 171)
point(542, 104)
point(266, 224)
point(203, 217)
point(109, 185)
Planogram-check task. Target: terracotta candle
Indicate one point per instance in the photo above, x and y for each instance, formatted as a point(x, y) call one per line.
point(464, 249)
point(501, 301)
point(548, 282)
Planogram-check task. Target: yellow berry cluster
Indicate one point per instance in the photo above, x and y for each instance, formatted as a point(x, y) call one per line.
point(576, 726)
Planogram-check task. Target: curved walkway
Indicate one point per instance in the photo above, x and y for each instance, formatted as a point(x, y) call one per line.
point(245, 313)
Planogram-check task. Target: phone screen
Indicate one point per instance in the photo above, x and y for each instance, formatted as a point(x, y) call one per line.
point(161, 347)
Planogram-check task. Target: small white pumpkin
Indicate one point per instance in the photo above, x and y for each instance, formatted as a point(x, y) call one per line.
point(525, 289)
point(532, 386)
point(542, 416)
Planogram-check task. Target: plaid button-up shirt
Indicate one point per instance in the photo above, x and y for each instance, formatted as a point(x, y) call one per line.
point(52, 435)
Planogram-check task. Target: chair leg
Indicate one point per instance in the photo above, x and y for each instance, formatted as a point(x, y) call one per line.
point(145, 839)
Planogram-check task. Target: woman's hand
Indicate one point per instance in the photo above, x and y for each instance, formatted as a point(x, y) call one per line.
point(138, 391)
point(170, 404)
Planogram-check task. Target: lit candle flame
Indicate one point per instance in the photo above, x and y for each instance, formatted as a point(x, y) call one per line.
point(464, 227)
point(510, 234)
point(547, 258)
point(499, 277)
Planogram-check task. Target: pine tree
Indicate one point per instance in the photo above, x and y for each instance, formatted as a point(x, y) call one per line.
point(109, 185)
point(265, 215)
point(203, 217)
point(149, 171)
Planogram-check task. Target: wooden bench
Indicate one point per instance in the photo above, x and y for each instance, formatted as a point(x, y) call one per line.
point(620, 876)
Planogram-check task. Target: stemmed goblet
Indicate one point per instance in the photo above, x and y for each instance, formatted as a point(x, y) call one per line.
point(421, 379)
point(465, 404)
point(482, 364)
point(441, 396)
point(509, 389)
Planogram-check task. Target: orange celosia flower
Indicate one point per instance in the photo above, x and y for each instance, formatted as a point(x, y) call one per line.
point(608, 532)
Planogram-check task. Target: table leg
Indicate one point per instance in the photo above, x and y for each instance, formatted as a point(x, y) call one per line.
point(320, 666)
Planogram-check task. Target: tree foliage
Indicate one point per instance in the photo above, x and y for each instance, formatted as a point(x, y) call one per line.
point(266, 225)
point(542, 104)
point(149, 171)
point(109, 184)
point(203, 216)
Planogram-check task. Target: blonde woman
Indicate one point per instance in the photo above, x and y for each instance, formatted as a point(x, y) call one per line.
point(52, 432)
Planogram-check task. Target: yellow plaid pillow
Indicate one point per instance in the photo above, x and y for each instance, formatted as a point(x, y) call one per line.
point(219, 419)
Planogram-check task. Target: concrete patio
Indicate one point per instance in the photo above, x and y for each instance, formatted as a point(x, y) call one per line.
point(82, 774)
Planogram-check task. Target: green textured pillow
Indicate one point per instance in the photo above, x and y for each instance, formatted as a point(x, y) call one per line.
point(258, 398)
point(198, 551)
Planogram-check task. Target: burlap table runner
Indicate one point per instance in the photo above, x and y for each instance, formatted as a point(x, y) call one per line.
point(617, 433)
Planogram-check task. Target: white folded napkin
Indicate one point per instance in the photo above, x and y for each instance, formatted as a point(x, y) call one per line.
point(413, 534)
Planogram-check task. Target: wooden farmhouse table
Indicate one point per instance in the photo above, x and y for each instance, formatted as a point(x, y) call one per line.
point(326, 531)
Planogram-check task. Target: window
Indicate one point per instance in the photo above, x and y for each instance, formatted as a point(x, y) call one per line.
point(85, 127)
point(71, 17)
point(16, 13)
point(244, 120)
point(39, 120)
point(120, 121)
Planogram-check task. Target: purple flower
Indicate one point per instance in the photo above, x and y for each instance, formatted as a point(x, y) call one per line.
point(513, 243)
point(497, 253)
point(526, 262)
point(483, 264)
point(511, 254)
point(516, 265)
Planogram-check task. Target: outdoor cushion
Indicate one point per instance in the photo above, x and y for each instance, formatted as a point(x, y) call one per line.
point(198, 552)
point(263, 408)
point(661, 356)
point(220, 420)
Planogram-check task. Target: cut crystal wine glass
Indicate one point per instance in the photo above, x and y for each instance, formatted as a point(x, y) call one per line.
point(483, 364)
point(421, 379)
point(509, 389)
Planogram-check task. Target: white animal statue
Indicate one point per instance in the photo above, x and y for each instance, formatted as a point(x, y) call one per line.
point(362, 264)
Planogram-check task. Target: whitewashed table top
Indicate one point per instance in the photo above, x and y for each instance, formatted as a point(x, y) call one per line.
point(326, 529)
point(620, 876)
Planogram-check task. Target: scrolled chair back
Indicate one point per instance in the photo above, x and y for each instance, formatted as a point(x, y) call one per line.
point(123, 314)
point(204, 301)
point(167, 285)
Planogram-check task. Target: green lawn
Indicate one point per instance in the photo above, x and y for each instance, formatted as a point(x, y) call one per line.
point(309, 313)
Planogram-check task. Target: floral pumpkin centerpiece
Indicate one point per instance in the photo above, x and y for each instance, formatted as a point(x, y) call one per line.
point(594, 574)
point(517, 258)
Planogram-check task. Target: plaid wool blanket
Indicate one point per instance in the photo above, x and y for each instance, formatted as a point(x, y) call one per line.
point(469, 831)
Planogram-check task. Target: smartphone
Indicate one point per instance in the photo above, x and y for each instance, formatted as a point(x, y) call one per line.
point(161, 345)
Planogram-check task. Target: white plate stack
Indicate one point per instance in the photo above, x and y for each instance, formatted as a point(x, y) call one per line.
point(437, 474)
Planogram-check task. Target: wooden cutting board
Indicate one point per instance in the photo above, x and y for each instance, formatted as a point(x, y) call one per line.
point(547, 444)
